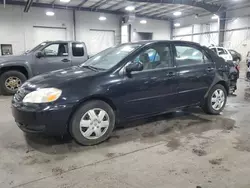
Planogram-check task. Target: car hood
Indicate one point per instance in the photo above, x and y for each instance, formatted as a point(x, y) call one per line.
point(59, 78)
point(13, 58)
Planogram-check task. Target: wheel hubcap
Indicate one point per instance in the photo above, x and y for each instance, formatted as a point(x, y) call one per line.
point(218, 99)
point(13, 83)
point(94, 123)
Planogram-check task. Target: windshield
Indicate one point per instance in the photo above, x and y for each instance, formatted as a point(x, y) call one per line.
point(38, 47)
point(110, 57)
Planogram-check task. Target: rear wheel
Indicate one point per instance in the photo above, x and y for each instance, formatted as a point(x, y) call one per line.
point(216, 100)
point(92, 123)
point(10, 81)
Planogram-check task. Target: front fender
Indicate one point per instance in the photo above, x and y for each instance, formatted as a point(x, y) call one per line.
point(17, 63)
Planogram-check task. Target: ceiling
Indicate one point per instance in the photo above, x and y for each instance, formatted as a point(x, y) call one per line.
point(157, 9)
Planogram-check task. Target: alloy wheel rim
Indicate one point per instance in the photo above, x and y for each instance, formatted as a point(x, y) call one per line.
point(94, 123)
point(218, 99)
point(13, 83)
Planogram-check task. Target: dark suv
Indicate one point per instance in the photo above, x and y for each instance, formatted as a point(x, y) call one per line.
point(128, 81)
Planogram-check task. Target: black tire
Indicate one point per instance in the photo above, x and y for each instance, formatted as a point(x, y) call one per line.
point(74, 126)
point(12, 73)
point(207, 107)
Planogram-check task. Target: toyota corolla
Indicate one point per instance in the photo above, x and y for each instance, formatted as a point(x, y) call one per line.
point(122, 83)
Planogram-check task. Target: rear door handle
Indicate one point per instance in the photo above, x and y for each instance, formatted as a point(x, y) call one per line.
point(170, 74)
point(65, 60)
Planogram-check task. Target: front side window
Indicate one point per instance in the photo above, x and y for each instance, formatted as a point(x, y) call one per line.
point(187, 55)
point(56, 50)
point(156, 57)
point(77, 49)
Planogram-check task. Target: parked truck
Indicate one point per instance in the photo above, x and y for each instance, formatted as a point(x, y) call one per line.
point(47, 56)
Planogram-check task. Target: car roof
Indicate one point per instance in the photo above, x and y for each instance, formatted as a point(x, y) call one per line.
point(62, 41)
point(144, 42)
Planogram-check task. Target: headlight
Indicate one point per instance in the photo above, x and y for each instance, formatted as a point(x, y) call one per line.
point(43, 95)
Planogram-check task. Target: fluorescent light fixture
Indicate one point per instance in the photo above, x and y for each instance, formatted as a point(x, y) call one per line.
point(50, 13)
point(102, 18)
point(143, 21)
point(64, 1)
point(130, 8)
point(214, 17)
point(177, 24)
point(178, 13)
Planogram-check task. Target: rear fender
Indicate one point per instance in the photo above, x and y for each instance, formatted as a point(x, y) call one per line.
point(219, 79)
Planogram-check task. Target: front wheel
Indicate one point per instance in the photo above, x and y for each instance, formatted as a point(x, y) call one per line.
point(92, 123)
point(10, 81)
point(216, 100)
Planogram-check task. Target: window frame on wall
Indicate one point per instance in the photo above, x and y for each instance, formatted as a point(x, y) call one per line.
point(205, 57)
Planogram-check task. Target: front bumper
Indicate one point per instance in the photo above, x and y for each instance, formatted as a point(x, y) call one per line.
point(42, 118)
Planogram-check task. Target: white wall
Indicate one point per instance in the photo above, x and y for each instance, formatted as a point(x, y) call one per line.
point(86, 21)
point(198, 33)
point(16, 27)
point(237, 35)
point(159, 28)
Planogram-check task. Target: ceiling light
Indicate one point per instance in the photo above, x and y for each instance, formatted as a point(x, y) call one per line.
point(130, 8)
point(50, 13)
point(143, 21)
point(102, 18)
point(214, 17)
point(177, 24)
point(177, 13)
point(64, 1)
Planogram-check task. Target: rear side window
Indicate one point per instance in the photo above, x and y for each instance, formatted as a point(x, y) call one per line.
point(187, 55)
point(77, 49)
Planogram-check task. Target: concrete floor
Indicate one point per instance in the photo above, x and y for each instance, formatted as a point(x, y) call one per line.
point(187, 149)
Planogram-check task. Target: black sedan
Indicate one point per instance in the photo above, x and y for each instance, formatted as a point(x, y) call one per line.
point(126, 82)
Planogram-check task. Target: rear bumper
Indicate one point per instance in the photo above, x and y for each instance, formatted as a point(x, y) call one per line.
point(50, 120)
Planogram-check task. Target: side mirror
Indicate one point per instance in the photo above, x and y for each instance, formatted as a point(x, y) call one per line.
point(39, 54)
point(134, 67)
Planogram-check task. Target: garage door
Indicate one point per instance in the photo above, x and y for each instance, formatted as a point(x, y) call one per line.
point(42, 34)
point(100, 40)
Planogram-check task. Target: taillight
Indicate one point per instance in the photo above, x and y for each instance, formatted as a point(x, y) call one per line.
point(238, 67)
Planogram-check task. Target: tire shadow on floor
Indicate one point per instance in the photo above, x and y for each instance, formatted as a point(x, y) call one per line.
point(153, 129)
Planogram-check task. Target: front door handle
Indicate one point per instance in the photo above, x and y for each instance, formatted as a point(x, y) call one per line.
point(209, 69)
point(170, 74)
point(65, 60)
